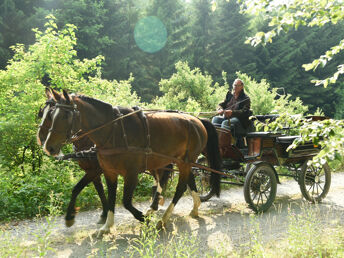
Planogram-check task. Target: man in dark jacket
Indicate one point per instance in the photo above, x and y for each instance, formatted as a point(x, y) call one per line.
point(234, 112)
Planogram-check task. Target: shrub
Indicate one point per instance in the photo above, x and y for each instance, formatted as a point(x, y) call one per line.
point(189, 90)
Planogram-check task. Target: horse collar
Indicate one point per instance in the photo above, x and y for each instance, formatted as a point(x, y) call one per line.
point(66, 106)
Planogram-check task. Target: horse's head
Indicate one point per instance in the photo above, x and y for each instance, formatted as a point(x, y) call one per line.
point(63, 123)
point(45, 115)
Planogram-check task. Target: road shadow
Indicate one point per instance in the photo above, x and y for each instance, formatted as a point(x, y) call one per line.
point(220, 226)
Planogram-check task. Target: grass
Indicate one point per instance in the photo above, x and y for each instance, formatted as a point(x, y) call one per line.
point(311, 231)
point(308, 231)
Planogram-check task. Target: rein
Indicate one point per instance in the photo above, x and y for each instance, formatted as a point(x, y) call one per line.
point(76, 138)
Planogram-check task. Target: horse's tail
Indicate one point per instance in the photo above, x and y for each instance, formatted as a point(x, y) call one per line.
point(213, 155)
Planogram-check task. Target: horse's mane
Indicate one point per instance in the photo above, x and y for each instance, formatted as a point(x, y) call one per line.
point(98, 104)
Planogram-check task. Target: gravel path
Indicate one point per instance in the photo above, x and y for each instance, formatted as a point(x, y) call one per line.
point(224, 222)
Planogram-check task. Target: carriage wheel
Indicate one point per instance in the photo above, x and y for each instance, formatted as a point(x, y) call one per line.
point(202, 178)
point(314, 182)
point(260, 187)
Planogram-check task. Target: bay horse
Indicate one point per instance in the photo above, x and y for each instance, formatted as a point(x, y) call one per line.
point(90, 166)
point(125, 147)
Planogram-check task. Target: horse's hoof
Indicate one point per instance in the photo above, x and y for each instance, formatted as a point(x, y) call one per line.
point(160, 225)
point(103, 231)
point(70, 223)
point(102, 220)
point(149, 212)
point(161, 201)
point(194, 213)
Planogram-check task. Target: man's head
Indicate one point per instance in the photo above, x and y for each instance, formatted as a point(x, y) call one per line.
point(238, 86)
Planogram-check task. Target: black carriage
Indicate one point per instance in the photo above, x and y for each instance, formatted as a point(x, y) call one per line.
point(254, 167)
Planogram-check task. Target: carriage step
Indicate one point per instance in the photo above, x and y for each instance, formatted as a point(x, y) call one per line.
point(230, 164)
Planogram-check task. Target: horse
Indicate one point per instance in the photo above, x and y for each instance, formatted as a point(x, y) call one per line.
point(90, 166)
point(127, 146)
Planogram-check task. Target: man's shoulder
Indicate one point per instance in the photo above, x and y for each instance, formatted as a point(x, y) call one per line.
point(229, 95)
point(243, 96)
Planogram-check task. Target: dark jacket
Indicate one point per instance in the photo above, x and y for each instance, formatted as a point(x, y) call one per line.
point(240, 107)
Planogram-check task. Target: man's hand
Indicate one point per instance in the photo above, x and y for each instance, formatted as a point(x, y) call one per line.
point(220, 111)
point(228, 113)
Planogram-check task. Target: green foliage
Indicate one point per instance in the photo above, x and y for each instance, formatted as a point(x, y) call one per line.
point(266, 100)
point(328, 134)
point(24, 188)
point(22, 91)
point(149, 243)
point(299, 13)
point(226, 49)
point(190, 90)
point(25, 195)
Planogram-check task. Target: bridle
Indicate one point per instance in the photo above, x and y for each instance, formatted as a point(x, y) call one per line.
point(73, 130)
point(51, 103)
point(74, 134)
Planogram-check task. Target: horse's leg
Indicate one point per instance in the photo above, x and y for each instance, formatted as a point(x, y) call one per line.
point(75, 192)
point(194, 194)
point(184, 170)
point(110, 219)
point(100, 190)
point(161, 178)
point(130, 182)
point(164, 175)
point(156, 191)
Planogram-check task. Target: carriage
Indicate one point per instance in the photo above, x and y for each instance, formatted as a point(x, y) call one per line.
point(129, 142)
point(259, 166)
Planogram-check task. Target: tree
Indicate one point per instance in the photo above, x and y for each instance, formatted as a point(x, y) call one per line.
point(202, 26)
point(160, 63)
point(21, 93)
point(280, 62)
point(15, 25)
point(296, 13)
point(228, 51)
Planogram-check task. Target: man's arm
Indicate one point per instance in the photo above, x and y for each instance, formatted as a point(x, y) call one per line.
point(244, 110)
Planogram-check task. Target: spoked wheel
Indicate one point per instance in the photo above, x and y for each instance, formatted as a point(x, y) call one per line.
point(202, 178)
point(314, 182)
point(260, 187)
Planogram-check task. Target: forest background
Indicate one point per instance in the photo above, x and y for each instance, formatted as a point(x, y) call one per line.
point(212, 41)
point(198, 52)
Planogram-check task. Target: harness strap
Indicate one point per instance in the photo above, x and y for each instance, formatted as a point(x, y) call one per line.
point(131, 149)
point(117, 113)
point(73, 139)
point(145, 123)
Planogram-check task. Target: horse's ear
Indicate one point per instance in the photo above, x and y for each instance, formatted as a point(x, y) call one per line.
point(56, 95)
point(48, 93)
point(67, 97)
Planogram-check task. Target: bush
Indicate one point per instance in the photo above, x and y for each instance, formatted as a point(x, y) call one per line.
point(265, 100)
point(190, 90)
point(50, 60)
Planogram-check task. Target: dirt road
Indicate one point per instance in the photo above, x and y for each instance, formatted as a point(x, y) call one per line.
point(224, 222)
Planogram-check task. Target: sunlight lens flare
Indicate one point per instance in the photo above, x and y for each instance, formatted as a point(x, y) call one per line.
point(150, 34)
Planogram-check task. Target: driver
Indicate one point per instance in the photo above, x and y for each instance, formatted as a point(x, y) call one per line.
point(234, 112)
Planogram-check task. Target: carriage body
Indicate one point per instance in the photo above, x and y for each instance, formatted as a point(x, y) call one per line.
point(257, 167)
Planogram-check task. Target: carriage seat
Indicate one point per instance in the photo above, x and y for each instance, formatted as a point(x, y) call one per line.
point(263, 118)
point(264, 135)
point(287, 139)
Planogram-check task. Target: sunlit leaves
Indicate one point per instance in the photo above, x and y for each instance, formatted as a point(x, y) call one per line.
point(190, 90)
point(291, 15)
point(328, 134)
point(22, 93)
point(265, 100)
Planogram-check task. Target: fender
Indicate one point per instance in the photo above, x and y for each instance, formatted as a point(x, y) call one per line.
point(258, 162)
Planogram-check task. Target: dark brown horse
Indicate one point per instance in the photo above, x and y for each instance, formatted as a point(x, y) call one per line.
point(126, 148)
point(90, 166)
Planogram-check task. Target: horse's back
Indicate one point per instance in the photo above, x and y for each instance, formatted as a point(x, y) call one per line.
point(172, 128)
